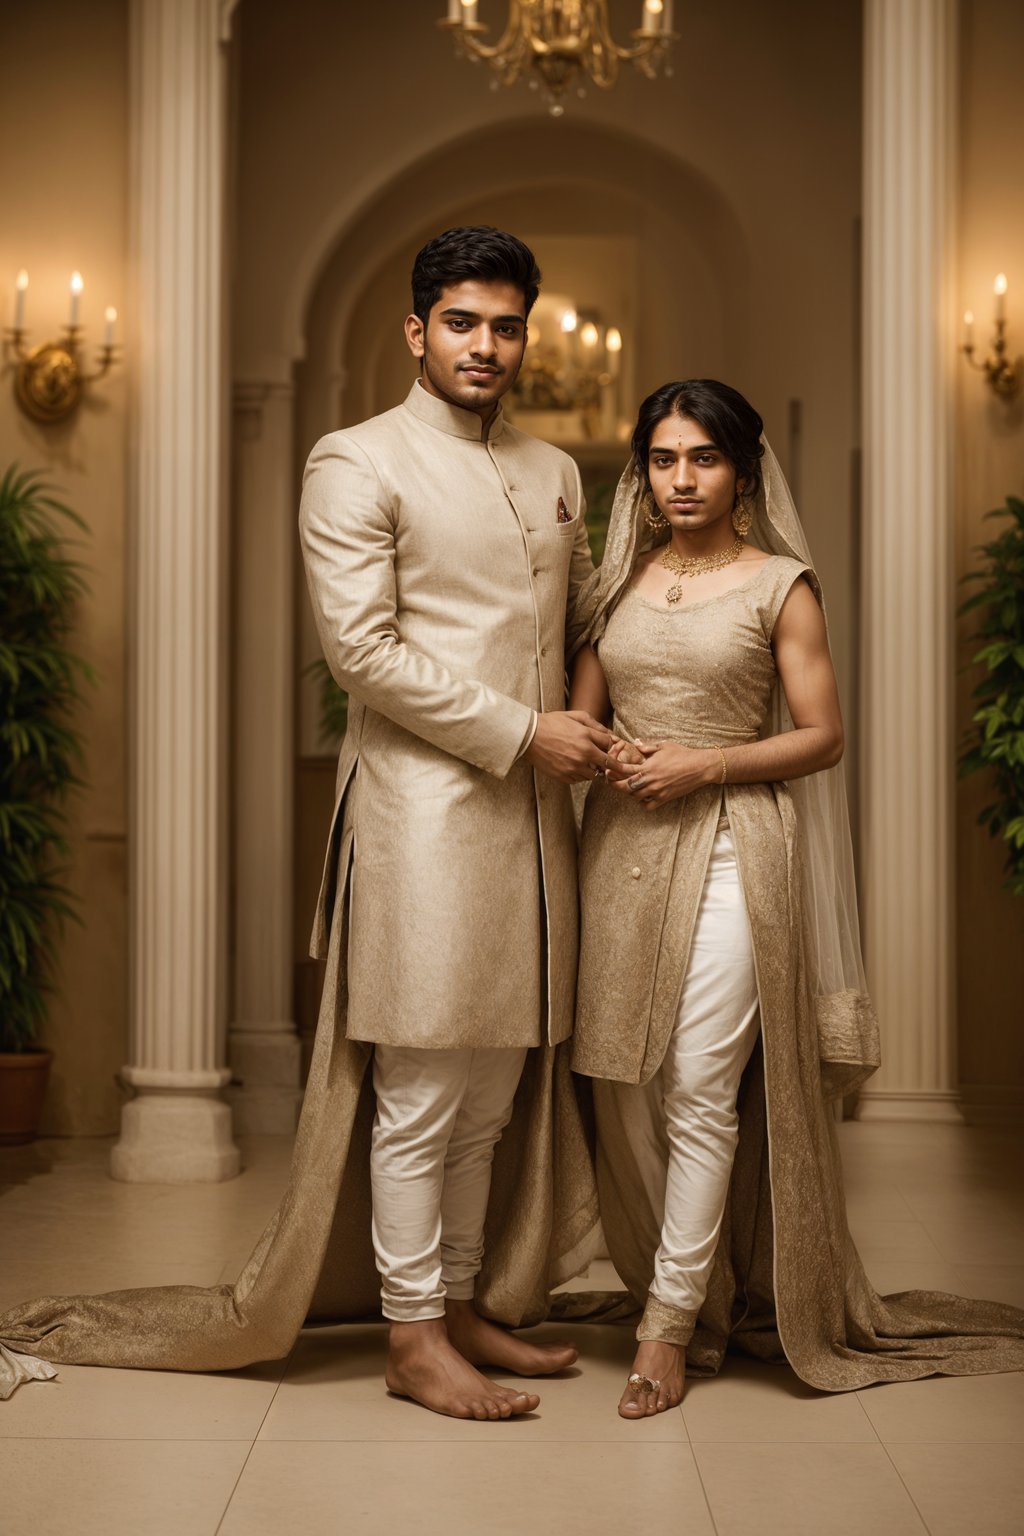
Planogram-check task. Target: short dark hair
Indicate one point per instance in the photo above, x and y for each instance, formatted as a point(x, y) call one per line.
point(475, 251)
point(729, 420)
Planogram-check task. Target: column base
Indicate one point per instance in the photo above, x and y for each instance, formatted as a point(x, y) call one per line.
point(936, 1107)
point(175, 1138)
point(265, 1093)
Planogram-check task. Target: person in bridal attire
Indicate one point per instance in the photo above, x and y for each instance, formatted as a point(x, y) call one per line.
point(721, 1002)
point(443, 550)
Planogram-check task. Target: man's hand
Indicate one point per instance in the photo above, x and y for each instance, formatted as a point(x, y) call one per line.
point(569, 745)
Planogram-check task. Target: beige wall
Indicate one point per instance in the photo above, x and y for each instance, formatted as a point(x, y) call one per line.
point(342, 168)
point(63, 175)
point(738, 180)
point(990, 450)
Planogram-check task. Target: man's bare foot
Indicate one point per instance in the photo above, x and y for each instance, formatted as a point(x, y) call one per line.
point(664, 1363)
point(422, 1364)
point(484, 1343)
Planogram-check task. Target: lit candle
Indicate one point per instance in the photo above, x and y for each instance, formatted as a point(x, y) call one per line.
point(589, 335)
point(613, 346)
point(469, 13)
point(76, 293)
point(999, 288)
point(652, 17)
point(20, 288)
point(968, 330)
point(455, 11)
point(568, 321)
point(110, 316)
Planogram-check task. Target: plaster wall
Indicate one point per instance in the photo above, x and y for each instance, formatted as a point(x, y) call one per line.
point(990, 455)
point(63, 174)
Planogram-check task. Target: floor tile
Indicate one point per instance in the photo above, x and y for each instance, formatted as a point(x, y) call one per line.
point(749, 1401)
point(513, 1489)
point(334, 1390)
point(889, 1276)
point(97, 1403)
point(117, 1488)
point(958, 1409)
point(979, 1490)
point(977, 1240)
point(880, 1241)
point(786, 1490)
point(992, 1282)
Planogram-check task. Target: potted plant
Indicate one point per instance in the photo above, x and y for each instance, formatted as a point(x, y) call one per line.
point(996, 741)
point(39, 754)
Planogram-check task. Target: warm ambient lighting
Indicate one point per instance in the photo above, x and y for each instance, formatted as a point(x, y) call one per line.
point(1002, 374)
point(573, 377)
point(559, 43)
point(48, 379)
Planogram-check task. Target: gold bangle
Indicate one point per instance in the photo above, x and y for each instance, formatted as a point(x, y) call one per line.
point(725, 766)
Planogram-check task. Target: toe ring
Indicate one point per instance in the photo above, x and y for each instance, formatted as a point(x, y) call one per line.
point(638, 1383)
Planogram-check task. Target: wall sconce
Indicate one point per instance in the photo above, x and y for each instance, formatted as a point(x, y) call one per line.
point(48, 379)
point(1002, 374)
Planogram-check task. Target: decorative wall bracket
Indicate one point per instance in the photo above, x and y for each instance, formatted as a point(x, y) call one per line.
point(1001, 372)
point(49, 378)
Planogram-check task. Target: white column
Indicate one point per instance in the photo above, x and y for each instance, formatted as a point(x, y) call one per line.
point(263, 1045)
point(177, 1128)
point(907, 616)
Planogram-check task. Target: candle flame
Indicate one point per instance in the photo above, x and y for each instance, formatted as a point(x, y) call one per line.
point(613, 339)
point(999, 286)
point(76, 282)
point(968, 317)
point(589, 334)
point(22, 281)
point(569, 321)
point(654, 6)
point(110, 314)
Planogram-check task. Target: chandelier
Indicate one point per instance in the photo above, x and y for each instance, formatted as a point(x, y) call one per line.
point(561, 41)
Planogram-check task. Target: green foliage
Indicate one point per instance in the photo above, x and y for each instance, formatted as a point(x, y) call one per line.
point(39, 749)
point(997, 740)
point(333, 702)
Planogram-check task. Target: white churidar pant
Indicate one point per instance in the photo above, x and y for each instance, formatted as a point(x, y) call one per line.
point(439, 1117)
point(683, 1121)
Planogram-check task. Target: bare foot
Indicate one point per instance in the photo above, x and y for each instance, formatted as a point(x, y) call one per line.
point(485, 1343)
point(423, 1365)
point(664, 1363)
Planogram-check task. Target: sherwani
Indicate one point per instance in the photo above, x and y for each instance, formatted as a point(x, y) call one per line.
point(440, 576)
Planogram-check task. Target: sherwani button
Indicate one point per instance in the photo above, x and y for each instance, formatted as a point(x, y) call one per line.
point(536, 570)
point(635, 872)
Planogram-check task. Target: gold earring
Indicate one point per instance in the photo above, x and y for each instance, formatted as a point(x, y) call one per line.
point(653, 515)
point(741, 517)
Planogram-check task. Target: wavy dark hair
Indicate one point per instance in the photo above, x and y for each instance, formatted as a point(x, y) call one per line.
point(476, 251)
point(730, 421)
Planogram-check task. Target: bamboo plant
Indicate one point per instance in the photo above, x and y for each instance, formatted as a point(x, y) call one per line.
point(40, 750)
point(996, 740)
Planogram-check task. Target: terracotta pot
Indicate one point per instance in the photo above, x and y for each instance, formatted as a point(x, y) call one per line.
point(23, 1079)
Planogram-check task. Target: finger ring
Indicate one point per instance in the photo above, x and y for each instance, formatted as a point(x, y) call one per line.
point(638, 782)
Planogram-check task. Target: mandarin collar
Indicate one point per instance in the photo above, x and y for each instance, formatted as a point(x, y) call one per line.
point(452, 418)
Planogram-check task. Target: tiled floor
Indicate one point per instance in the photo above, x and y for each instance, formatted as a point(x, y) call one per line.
point(315, 1446)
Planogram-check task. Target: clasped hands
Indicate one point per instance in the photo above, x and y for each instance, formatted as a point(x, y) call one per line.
point(572, 746)
point(656, 772)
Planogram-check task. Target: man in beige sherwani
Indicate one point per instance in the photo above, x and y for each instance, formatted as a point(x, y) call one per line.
point(443, 549)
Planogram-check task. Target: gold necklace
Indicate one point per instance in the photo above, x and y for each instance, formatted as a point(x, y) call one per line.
point(696, 565)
